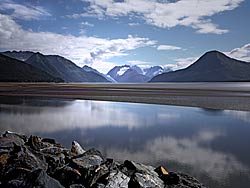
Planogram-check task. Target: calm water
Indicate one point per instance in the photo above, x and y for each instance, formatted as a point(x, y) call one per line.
point(210, 145)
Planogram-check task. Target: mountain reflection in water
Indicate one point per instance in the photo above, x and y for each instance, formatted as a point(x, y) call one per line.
point(210, 145)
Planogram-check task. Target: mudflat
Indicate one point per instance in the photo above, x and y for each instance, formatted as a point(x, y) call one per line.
point(215, 95)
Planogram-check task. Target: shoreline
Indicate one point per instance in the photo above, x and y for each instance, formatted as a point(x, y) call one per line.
point(43, 162)
point(200, 95)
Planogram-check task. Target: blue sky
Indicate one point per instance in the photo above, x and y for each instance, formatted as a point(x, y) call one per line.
point(105, 33)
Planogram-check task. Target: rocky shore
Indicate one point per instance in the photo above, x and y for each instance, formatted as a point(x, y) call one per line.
point(27, 162)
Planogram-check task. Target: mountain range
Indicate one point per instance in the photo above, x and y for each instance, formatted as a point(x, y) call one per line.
point(13, 70)
point(134, 74)
point(57, 66)
point(213, 66)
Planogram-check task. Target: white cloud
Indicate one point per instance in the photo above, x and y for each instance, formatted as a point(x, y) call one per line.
point(181, 63)
point(164, 14)
point(52, 119)
point(25, 12)
point(168, 47)
point(242, 53)
point(82, 49)
point(215, 164)
point(87, 24)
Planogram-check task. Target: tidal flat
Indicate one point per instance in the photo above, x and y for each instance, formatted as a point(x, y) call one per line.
point(213, 95)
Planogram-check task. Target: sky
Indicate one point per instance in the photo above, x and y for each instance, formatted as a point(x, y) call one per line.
point(106, 33)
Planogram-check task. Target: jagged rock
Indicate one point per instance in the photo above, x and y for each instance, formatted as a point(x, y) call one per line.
point(76, 148)
point(9, 139)
point(145, 181)
point(14, 176)
point(130, 167)
point(117, 179)
point(100, 172)
point(42, 162)
point(23, 157)
point(176, 180)
point(161, 171)
point(67, 176)
point(49, 140)
point(10, 134)
point(36, 143)
point(88, 159)
point(36, 178)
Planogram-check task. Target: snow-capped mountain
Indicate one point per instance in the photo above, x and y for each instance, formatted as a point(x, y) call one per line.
point(134, 73)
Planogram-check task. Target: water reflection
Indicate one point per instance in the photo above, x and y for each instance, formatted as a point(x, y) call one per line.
point(78, 114)
point(211, 145)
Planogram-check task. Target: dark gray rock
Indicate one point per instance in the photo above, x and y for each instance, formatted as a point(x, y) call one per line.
point(37, 178)
point(67, 176)
point(42, 163)
point(9, 139)
point(139, 180)
point(88, 159)
point(49, 140)
point(130, 167)
point(117, 179)
point(176, 180)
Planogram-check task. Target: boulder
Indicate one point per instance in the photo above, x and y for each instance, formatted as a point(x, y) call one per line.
point(36, 178)
point(42, 162)
point(88, 159)
point(139, 180)
point(67, 176)
point(76, 148)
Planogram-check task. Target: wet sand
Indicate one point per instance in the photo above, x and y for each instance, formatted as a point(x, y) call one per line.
point(223, 96)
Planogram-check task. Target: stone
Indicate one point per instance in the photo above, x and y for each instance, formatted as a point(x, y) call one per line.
point(10, 134)
point(42, 162)
point(176, 180)
point(23, 157)
point(67, 176)
point(39, 178)
point(88, 159)
point(76, 148)
point(145, 181)
point(7, 141)
point(117, 179)
point(36, 143)
point(161, 171)
point(130, 167)
point(49, 140)
point(36, 178)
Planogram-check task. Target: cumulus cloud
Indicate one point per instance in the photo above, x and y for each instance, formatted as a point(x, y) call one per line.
point(168, 47)
point(164, 14)
point(215, 164)
point(81, 49)
point(25, 12)
point(52, 119)
point(241, 53)
point(181, 63)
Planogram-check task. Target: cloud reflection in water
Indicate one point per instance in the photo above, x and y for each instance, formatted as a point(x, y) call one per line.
point(141, 132)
